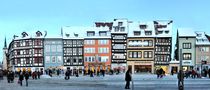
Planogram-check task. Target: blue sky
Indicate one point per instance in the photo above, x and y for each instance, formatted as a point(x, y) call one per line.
point(50, 15)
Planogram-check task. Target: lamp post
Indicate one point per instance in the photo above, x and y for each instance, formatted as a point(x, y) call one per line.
point(180, 74)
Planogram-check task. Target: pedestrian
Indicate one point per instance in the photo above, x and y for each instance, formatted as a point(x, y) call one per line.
point(161, 72)
point(35, 75)
point(38, 74)
point(58, 72)
point(27, 77)
point(193, 73)
point(209, 72)
point(20, 79)
point(67, 75)
point(172, 72)
point(8, 77)
point(12, 76)
point(158, 73)
point(127, 79)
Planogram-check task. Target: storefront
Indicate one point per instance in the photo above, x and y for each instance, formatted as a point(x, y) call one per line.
point(141, 66)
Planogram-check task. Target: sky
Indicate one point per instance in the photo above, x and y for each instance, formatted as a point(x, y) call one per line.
point(51, 15)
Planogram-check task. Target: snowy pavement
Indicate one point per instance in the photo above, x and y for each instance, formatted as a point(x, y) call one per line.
point(109, 82)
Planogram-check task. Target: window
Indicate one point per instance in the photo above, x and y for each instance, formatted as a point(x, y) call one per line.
point(204, 49)
point(74, 51)
point(27, 61)
point(186, 45)
point(89, 50)
point(59, 59)
point(143, 26)
point(119, 46)
point(37, 42)
point(120, 23)
point(148, 32)
point(80, 51)
point(90, 33)
point(137, 33)
point(150, 43)
point(122, 29)
point(53, 59)
point(134, 54)
point(103, 42)
point(47, 59)
point(148, 54)
point(59, 48)
point(53, 48)
point(47, 48)
point(102, 33)
point(187, 56)
point(89, 42)
point(103, 50)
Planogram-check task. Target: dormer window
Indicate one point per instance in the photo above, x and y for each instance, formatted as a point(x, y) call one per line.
point(24, 34)
point(90, 33)
point(76, 35)
point(199, 35)
point(137, 33)
point(67, 35)
point(120, 23)
point(166, 32)
point(122, 29)
point(38, 34)
point(143, 26)
point(161, 26)
point(102, 33)
point(116, 29)
point(148, 32)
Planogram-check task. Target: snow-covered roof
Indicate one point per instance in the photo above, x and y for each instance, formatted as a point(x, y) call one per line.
point(31, 34)
point(201, 38)
point(165, 26)
point(120, 23)
point(135, 26)
point(71, 32)
point(186, 32)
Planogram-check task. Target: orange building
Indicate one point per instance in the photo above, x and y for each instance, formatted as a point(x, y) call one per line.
point(97, 50)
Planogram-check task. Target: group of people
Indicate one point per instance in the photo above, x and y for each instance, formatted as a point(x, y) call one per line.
point(160, 73)
point(195, 74)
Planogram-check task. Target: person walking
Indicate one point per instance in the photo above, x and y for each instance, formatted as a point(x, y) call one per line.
point(127, 79)
point(12, 76)
point(27, 77)
point(38, 74)
point(8, 77)
point(20, 78)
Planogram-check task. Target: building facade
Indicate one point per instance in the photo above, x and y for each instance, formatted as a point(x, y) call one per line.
point(163, 45)
point(97, 49)
point(26, 52)
point(140, 47)
point(119, 44)
point(53, 53)
point(186, 42)
point(73, 52)
point(202, 52)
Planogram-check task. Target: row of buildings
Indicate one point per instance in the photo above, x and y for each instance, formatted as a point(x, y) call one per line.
point(119, 44)
point(193, 47)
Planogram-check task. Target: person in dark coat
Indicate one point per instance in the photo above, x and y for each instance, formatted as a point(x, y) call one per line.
point(8, 77)
point(12, 76)
point(27, 77)
point(67, 75)
point(38, 74)
point(21, 78)
point(127, 79)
